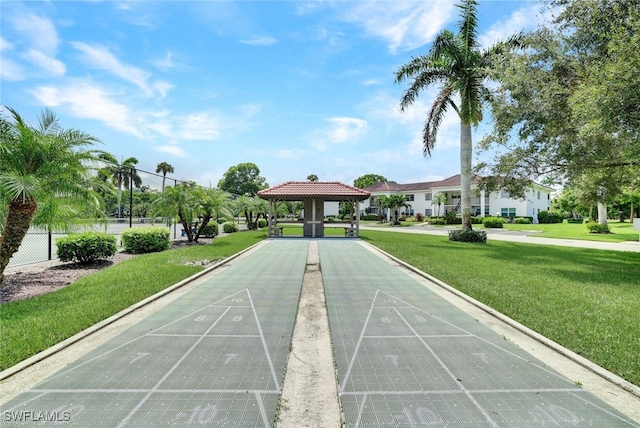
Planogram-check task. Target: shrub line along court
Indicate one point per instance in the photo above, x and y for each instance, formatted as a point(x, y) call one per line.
point(404, 355)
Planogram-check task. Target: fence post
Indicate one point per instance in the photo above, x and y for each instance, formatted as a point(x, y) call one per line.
point(50, 246)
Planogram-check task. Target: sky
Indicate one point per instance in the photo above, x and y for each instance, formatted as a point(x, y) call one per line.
point(295, 87)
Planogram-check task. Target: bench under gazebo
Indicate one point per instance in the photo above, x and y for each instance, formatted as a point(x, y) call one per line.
point(313, 195)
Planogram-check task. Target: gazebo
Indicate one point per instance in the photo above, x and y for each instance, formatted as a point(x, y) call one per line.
point(313, 194)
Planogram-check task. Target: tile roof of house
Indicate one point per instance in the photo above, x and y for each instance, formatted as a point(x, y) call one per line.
point(329, 190)
point(453, 181)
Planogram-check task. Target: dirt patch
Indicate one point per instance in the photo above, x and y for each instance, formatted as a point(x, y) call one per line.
point(34, 280)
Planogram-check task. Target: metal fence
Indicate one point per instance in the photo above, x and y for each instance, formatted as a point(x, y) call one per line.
point(40, 246)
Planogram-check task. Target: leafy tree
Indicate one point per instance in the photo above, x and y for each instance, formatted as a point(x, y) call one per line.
point(45, 176)
point(243, 179)
point(368, 180)
point(568, 105)
point(165, 169)
point(312, 178)
point(121, 174)
point(252, 205)
point(457, 63)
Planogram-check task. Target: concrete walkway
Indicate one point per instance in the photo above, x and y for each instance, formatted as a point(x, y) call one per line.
point(406, 352)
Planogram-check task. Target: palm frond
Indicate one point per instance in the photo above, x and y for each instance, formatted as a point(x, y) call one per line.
point(434, 119)
point(469, 23)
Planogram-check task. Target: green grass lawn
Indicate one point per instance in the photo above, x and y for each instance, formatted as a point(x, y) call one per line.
point(586, 300)
point(620, 232)
point(33, 325)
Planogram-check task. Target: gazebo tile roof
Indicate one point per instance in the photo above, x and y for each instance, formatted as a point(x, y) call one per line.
point(310, 189)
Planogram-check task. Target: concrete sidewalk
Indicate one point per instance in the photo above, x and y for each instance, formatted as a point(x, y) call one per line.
point(407, 352)
point(526, 237)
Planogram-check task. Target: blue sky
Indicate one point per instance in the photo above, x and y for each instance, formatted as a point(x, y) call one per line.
point(295, 87)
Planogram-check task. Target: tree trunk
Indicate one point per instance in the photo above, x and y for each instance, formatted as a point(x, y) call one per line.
point(19, 215)
point(602, 213)
point(465, 175)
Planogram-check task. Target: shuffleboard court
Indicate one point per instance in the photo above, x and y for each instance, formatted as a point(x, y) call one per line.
point(214, 357)
point(406, 357)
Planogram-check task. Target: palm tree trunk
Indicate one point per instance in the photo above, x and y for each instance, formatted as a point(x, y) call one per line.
point(19, 216)
point(465, 174)
point(602, 213)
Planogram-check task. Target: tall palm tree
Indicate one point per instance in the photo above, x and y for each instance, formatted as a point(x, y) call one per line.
point(41, 167)
point(440, 198)
point(165, 169)
point(457, 63)
point(121, 174)
point(181, 200)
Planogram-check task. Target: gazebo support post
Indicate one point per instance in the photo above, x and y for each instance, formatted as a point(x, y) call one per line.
point(357, 218)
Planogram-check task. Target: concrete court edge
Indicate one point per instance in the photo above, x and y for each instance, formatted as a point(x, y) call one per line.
point(34, 359)
point(594, 368)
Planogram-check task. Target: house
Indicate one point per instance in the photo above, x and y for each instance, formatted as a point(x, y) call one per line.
point(421, 199)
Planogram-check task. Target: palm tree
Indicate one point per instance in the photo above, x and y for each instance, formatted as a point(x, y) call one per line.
point(393, 202)
point(440, 198)
point(181, 200)
point(456, 62)
point(312, 178)
point(121, 174)
point(41, 167)
point(165, 169)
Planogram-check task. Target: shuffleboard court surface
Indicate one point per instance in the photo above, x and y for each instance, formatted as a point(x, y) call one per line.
point(406, 357)
point(214, 357)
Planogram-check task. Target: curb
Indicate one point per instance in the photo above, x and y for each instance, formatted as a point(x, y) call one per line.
point(24, 364)
point(594, 368)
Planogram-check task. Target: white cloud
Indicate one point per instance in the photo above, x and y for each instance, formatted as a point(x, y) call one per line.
point(40, 31)
point(10, 70)
point(172, 150)
point(53, 66)
point(341, 130)
point(5, 45)
point(99, 57)
point(259, 41)
point(524, 19)
point(404, 25)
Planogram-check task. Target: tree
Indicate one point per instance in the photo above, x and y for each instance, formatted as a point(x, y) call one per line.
point(569, 104)
point(165, 169)
point(368, 180)
point(243, 179)
point(43, 169)
point(440, 198)
point(312, 178)
point(393, 203)
point(456, 62)
point(121, 174)
point(182, 200)
point(252, 205)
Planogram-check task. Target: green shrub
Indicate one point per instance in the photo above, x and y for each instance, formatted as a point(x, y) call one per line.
point(468, 236)
point(493, 222)
point(476, 220)
point(549, 217)
point(142, 240)
point(369, 217)
point(595, 227)
point(522, 220)
point(437, 221)
point(262, 223)
point(229, 227)
point(451, 217)
point(419, 217)
point(330, 219)
point(221, 220)
point(575, 220)
point(86, 247)
point(210, 230)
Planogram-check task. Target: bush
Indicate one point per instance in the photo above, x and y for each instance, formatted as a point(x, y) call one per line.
point(493, 222)
point(370, 217)
point(141, 240)
point(419, 217)
point(262, 223)
point(86, 247)
point(522, 220)
point(229, 227)
point(476, 220)
point(575, 220)
point(468, 236)
point(436, 221)
point(330, 219)
point(451, 217)
point(595, 227)
point(210, 230)
point(549, 217)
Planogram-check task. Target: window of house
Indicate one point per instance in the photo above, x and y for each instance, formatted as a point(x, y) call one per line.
point(538, 194)
point(455, 195)
point(427, 212)
point(409, 197)
point(427, 196)
point(508, 212)
point(486, 210)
